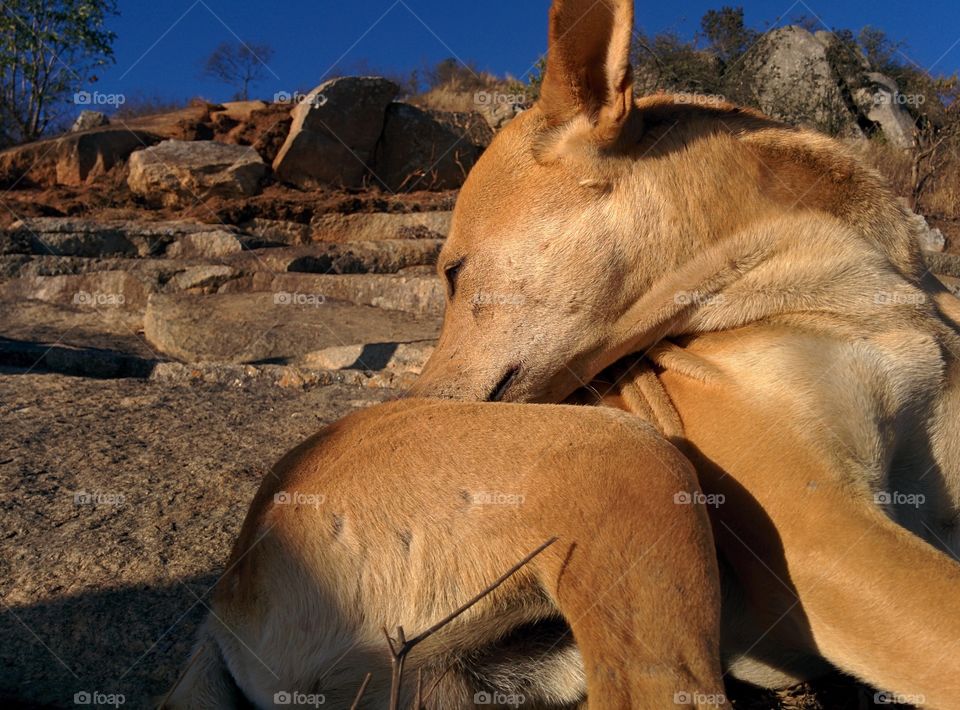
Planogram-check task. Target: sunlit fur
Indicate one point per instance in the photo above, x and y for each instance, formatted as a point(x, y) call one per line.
point(398, 514)
point(810, 360)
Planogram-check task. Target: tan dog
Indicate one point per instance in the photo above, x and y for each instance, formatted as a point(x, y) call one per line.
point(800, 355)
point(399, 514)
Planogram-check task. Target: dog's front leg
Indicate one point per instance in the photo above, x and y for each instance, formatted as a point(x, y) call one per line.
point(870, 597)
point(634, 574)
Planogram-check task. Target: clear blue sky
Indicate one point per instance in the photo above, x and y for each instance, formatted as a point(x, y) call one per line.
point(161, 44)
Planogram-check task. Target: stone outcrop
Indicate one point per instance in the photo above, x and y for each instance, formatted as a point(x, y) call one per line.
point(74, 159)
point(68, 236)
point(793, 80)
point(420, 152)
point(185, 172)
point(881, 102)
point(334, 133)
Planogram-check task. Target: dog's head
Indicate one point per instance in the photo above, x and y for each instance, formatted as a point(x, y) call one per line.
point(537, 264)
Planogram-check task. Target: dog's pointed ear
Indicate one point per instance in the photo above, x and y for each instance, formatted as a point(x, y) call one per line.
point(588, 65)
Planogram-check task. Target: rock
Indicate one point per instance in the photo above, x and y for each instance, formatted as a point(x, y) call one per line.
point(392, 357)
point(881, 102)
point(499, 108)
point(471, 125)
point(70, 236)
point(67, 237)
point(278, 231)
point(214, 244)
point(80, 362)
point(89, 119)
point(334, 133)
point(498, 115)
point(88, 155)
point(929, 238)
point(108, 292)
point(283, 376)
point(257, 327)
point(420, 152)
point(74, 159)
point(203, 277)
point(185, 172)
point(420, 295)
point(386, 256)
point(29, 265)
point(794, 81)
point(373, 226)
point(187, 457)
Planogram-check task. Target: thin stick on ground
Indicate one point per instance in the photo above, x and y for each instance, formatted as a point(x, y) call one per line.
point(363, 688)
point(417, 702)
point(404, 646)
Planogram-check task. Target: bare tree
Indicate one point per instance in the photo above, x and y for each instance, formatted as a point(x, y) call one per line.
point(49, 49)
point(931, 156)
point(238, 64)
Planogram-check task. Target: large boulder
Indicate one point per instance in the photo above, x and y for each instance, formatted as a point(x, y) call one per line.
point(334, 133)
point(184, 172)
point(419, 151)
point(794, 81)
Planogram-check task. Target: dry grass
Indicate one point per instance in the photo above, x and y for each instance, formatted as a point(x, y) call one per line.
point(943, 199)
point(942, 196)
point(892, 162)
point(461, 94)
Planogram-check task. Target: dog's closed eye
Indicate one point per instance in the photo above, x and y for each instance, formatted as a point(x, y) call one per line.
point(451, 272)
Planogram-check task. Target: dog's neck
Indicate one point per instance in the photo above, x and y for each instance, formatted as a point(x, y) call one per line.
point(803, 263)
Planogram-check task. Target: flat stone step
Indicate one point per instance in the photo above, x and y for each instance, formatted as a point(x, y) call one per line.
point(420, 295)
point(112, 293)
point(385, 256)
point(371, 226)
point(69, 236)
point(270, 328)
point(388, 357)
